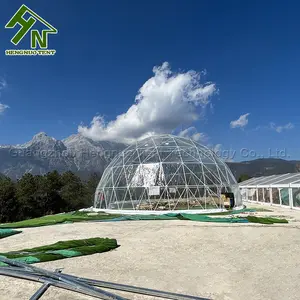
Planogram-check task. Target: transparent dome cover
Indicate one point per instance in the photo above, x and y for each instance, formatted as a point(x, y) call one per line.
point(166, 172)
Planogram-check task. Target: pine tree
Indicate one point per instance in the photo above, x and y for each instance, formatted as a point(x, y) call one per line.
point(91, 186)
point(53, 186)
point(28, 197)
point(73, 191)
point(8, 203)
point(243, 177)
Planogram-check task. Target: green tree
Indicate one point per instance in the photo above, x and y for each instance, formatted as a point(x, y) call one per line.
point(8, 203)
point(73, 191)
point(28, 196)
point(40, 195)
point(35, 196)
point(53, 202)
point(243, 177)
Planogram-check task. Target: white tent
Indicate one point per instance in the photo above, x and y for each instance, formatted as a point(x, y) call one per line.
point(282, 190)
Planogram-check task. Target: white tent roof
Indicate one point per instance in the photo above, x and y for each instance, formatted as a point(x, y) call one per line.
point(282, 180)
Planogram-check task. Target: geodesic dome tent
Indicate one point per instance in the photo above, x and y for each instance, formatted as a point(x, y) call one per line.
point(166, 173)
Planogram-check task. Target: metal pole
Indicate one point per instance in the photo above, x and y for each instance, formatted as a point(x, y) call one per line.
point(40, 292)
point(76, 284)
point(29, 275)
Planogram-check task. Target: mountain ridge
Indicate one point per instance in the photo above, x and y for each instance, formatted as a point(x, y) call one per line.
point(84, 156)
point(43, 154)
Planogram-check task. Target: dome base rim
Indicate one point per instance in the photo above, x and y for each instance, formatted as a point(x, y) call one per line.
point(160, 212)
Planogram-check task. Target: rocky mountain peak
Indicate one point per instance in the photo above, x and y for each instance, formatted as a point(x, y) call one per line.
point(75, 139)
point(41, 135)
point(44, 153)
point(44, 142)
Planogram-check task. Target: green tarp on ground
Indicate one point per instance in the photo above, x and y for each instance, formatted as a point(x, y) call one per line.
point(8, 232)
point(203, 218)
point(181, 216)
point(142, 217)
point(223, 217)
point(62, 249)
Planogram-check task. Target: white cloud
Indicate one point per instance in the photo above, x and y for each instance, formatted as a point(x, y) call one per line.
point(3, 85)
point(241, 122)
point(163, 103)
point(226, 155)
point(217, 148)
point(3, 107)
point(279, 129)
point(192, 133)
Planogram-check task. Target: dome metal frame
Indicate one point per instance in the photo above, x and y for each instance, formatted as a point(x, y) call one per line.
point(165, 173)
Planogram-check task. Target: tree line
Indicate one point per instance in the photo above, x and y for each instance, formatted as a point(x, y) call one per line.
point(243, 177)
point(34, 196)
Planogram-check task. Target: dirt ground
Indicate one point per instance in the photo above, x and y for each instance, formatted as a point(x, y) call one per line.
point(217, 261)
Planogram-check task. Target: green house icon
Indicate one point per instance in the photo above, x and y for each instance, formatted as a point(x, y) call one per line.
point(36, 37)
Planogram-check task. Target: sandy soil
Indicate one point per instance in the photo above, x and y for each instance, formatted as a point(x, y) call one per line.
point(217, 261)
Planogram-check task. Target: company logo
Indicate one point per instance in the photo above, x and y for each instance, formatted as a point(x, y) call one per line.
point(38, 39)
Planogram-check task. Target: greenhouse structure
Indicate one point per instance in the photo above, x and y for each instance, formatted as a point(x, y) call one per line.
point(282, 190)
point(163, 173)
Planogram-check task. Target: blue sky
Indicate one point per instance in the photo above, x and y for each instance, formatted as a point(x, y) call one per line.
point(106, 51)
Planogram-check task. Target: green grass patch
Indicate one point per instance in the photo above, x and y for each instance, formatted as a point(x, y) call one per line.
point(58, 219)
point(265, 220)
point(62, 249)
